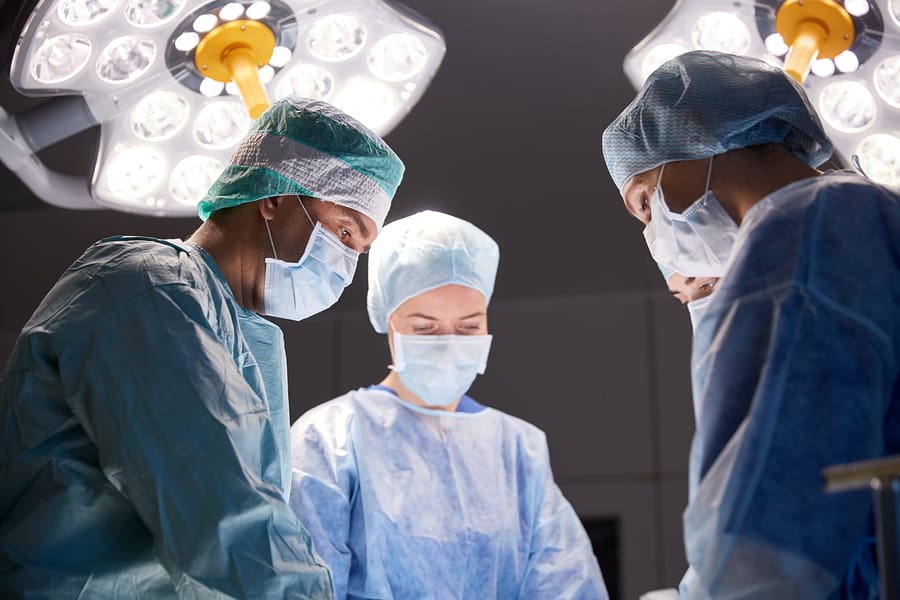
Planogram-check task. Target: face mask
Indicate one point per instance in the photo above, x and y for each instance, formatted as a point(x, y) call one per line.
point(439, 369)
point(697, 308)
point(697, 241)
point(299, 290)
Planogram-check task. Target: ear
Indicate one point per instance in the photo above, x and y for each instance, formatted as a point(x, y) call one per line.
point(269, 206)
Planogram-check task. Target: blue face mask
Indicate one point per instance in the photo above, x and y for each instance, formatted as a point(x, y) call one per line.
point(698, 241)
point(439, 369)
point(299, 290)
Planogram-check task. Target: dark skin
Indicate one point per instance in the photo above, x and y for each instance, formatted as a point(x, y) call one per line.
point(237, 240)
point(740, 179)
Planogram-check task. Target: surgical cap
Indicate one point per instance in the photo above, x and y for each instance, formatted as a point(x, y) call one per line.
point(309, 148)
point(704, 103)
point(426, 251)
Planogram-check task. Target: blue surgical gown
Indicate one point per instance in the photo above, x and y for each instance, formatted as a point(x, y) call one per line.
point(140, 453)
point(795, 368)
point(408, 502)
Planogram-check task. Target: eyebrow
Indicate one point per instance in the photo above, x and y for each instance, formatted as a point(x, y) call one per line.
point(420, 316)
point(430, 318)
point(472, 316)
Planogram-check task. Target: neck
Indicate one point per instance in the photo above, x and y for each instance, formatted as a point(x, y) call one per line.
point(742, 178)
point(234, 244)
point(394, 382)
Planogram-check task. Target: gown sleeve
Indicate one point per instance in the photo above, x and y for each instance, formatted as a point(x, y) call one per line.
point(181, 435)
point(561, 561)
point(324, 482)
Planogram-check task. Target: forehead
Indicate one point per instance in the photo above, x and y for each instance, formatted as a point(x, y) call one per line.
point(444, 302)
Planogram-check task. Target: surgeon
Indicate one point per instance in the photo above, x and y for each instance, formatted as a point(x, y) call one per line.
point(413, 489)
point(795, 361)
point(144, 429)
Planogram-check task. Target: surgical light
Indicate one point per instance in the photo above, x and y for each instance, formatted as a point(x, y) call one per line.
point(160, 116)
point(846, 53)
point(887, 80)
point(175, 84)
point(307, 81)
point(151, 13)
point(126, 59)
point(336, 38)
point(879, 157)
point(84, 12)
point(60, 58)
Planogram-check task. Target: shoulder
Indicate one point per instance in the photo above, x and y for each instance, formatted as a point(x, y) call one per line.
point(527, 438)
point(120, 271)
point(326, 419)
point(143, 262)
point(842, 199)
point(840, 216)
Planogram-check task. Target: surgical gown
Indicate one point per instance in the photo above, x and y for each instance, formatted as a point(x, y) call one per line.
point(795, 368)
point(408, 502)
point(140, 454)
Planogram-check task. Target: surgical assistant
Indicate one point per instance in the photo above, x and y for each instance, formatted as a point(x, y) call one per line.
point(795, 360)
point(144, 424)
point(413, 489)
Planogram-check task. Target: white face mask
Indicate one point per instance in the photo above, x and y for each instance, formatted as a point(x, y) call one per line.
point(439, 369)
point(697, 241)
point(299, 290)
point(697, 308)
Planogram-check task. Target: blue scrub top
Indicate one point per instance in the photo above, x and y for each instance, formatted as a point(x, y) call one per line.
point(796, 367)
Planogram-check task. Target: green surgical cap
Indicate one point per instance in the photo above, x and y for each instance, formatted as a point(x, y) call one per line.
point(705, 103)
point(309, 148)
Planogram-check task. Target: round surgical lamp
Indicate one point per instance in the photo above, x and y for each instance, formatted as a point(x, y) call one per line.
point(175, 84)
point(846, 53)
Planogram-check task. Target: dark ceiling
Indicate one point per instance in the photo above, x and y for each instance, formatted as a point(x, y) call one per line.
point(508, 136)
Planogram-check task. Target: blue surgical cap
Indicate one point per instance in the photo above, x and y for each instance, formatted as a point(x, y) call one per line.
point(426, 251)
point(309, 148)
point(705, 103)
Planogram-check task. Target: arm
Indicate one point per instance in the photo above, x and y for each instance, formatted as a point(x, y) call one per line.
point(324, 481)
point(184, 438)
point(561, 562)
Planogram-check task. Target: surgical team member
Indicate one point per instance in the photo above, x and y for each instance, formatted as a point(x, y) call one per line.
point(795, 362)
point(143, 412)
point(412, 489)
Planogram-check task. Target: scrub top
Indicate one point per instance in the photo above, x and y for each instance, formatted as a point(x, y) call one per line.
point(143, 438)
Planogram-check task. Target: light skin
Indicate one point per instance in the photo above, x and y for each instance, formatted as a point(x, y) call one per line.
point(237, 240)
point(446, 310)
point(688, 289)
point(740, 179)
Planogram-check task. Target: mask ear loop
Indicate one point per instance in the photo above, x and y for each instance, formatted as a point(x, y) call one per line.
point(306, 212)
point(709, 173)
point(271, 241)
point(399, 359)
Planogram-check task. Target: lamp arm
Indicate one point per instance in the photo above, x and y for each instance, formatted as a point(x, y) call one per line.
point(58, 189)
